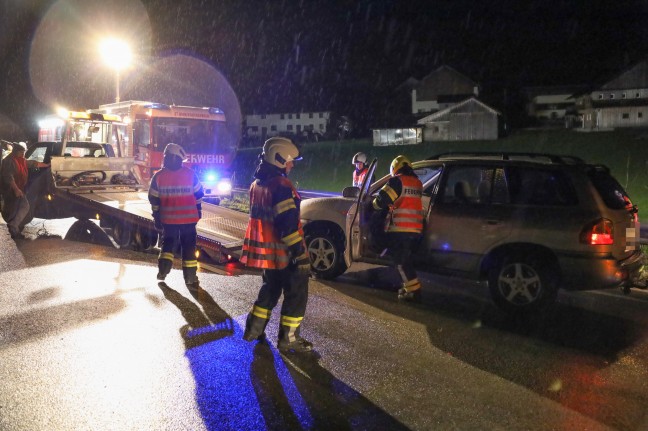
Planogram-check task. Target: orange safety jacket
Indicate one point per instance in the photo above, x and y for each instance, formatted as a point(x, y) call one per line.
point(358, 177)
point(406, 214)
point(274, 208)
point(177, 195)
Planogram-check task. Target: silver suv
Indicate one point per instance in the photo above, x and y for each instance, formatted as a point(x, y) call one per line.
point(529, 224)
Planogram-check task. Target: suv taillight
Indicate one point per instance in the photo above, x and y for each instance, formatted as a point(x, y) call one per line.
point(600, 232)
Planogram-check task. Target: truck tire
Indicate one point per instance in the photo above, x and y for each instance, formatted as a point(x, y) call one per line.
point(522, 283)
point(122, 234)
point(326, 252)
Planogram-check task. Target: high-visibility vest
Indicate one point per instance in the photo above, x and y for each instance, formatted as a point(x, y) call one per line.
point(406, 214)
point(358, 177)
point(262, 247)
point(177, 193)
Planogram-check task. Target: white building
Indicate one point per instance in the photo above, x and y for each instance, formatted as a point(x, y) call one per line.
point(267, 125)
point(442, 89)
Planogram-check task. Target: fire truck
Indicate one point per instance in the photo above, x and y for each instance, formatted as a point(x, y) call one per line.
point(201, 131)
point(101, 164)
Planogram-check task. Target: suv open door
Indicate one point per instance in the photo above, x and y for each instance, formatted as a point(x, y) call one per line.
point(355, 240)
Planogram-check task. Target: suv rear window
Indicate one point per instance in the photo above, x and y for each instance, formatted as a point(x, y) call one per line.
point(612, 193)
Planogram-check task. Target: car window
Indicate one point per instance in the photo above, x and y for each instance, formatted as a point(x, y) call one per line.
point(612, 193)
point(538, 186)
point(81, 149)
point(468, 185)
point(429, 176)
point(38, 154)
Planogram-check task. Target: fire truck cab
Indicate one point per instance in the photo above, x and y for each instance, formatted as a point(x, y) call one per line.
point(200, 131)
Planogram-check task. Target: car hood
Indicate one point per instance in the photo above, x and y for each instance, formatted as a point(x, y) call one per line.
point(331, 208)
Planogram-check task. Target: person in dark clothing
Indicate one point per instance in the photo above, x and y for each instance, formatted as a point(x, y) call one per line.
point(13, 183)
point(274, 242)
point(398, 208)
point(176, 196)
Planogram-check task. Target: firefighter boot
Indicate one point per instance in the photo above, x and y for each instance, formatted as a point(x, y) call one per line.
point(255, 325)
point(289, 338)
point(190, 277)
point(164, 267)
point(409, 296)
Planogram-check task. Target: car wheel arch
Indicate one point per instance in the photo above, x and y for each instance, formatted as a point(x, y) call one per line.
point(494, 257)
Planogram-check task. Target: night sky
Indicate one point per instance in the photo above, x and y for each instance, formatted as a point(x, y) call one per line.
point(340, 55)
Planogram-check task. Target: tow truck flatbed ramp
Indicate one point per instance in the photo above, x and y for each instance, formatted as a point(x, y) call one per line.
point(219, 225)
point(86, 187)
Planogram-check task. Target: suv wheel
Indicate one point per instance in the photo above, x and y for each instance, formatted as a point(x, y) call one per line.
point(325, 251)
point(522, 283)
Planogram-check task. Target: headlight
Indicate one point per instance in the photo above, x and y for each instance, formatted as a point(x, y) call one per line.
point(224, 186)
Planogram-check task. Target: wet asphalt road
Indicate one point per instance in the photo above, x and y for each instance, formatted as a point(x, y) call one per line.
point(90, 341)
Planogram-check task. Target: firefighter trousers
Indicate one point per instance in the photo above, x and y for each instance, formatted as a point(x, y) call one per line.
point(183, 236)
point(294, 286)
point(401, 246)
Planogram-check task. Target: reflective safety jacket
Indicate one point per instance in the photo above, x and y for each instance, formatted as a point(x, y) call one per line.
point(402, 195)
point(176, 195)
point(274, 224)
point(359, 176)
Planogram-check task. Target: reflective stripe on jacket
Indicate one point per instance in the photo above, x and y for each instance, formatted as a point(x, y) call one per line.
point(274, 224)
point(358, 177)
point(406, 214)
point(177, 195)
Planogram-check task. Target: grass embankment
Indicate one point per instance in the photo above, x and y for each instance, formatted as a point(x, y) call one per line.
point(327, 165)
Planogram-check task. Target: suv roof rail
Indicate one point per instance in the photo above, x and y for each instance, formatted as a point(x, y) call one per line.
point(535, 157)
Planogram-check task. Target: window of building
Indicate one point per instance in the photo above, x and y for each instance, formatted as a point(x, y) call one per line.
point(289, 127)
point(639, 114)
point(625, 116)
point(273, 128)
point(282, 116)
point(600, 96)
point(637, 95)
point(612, 96)
point(298, 127)
point(255, 128)
point(290, 116)
point(297, 116)
point(321, 126)
point(623, 95)
point(310, 115)
point(321, 115)
point(263, 116)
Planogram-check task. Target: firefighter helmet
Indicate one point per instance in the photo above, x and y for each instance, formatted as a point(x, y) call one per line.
point(398, 163)
point(176, 150)
point(278, 151)
point(359, 158)
point(19, 146)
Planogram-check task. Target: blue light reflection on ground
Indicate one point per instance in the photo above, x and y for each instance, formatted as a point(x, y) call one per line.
point(236, 390)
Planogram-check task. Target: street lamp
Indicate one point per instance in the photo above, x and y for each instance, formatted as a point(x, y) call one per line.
point(117, 55)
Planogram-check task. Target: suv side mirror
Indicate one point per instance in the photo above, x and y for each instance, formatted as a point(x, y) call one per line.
point(351, 192)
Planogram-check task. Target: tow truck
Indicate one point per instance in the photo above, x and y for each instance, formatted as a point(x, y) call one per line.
point(109, 186)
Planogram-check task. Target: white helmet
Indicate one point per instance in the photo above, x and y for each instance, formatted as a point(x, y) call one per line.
point(278, 151)
point(176, 150)
point(19, 146)
point(359, 158)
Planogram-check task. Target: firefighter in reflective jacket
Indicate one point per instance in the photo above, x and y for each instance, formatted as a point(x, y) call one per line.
point(399, 208)
point(274, 242)
point(176, 196)
point(361, 168)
